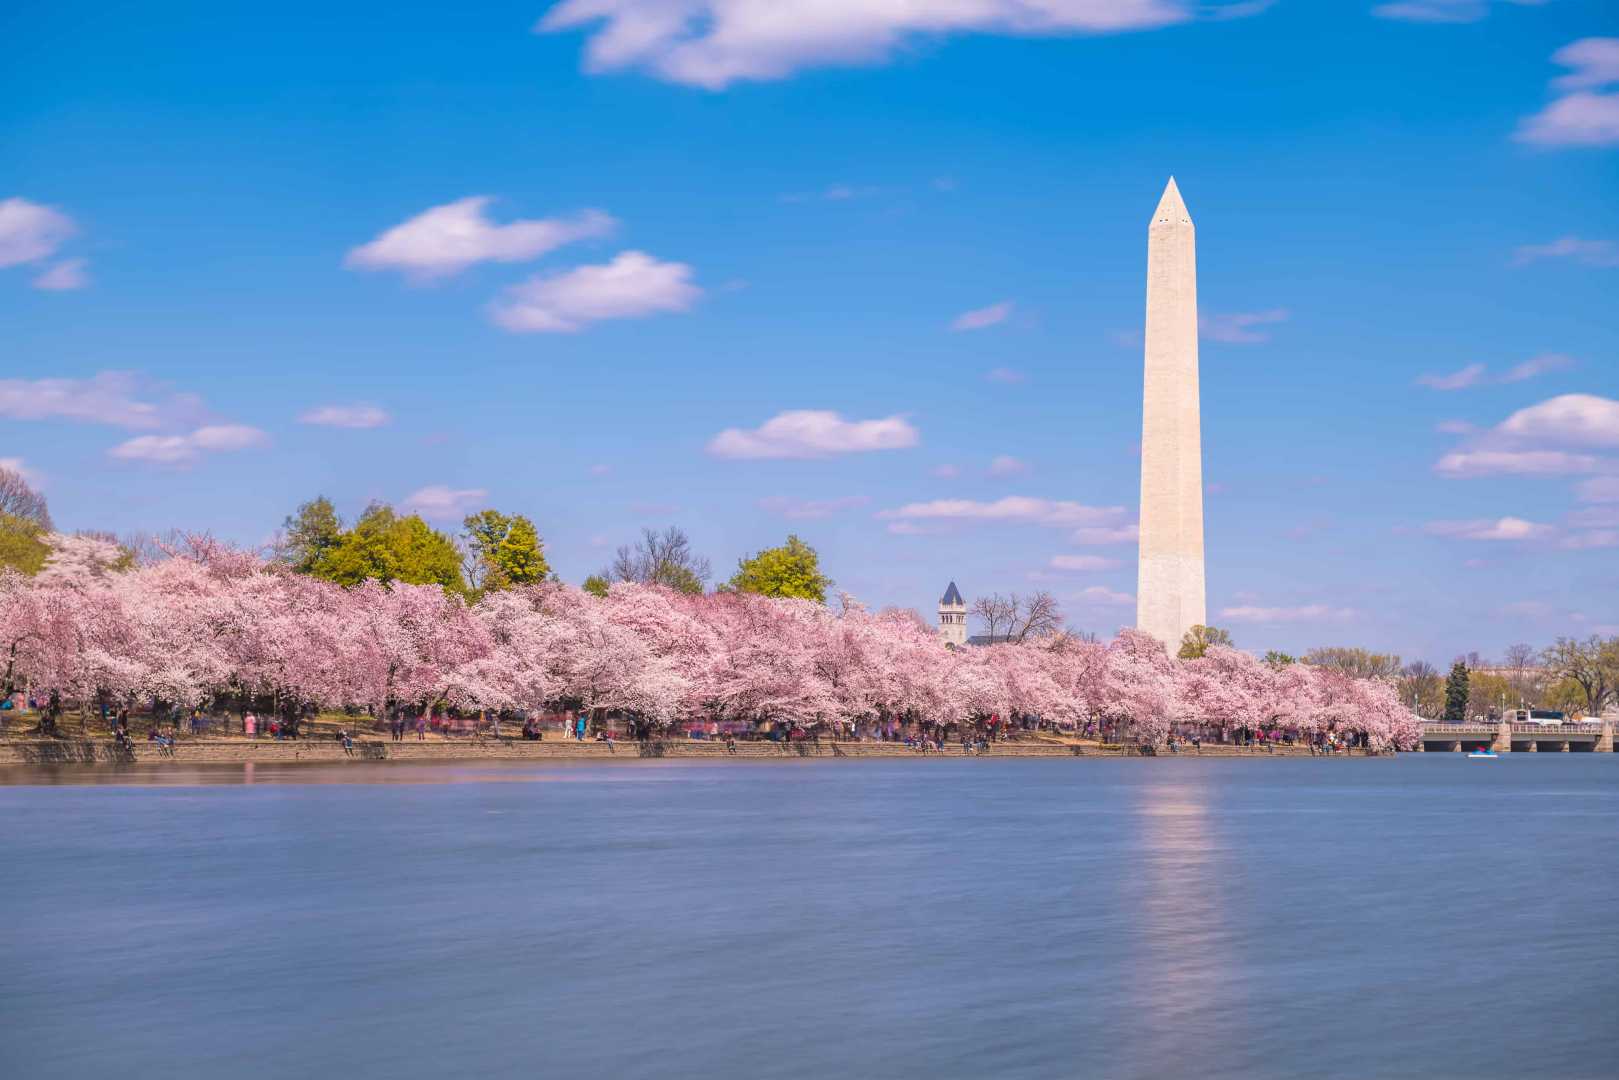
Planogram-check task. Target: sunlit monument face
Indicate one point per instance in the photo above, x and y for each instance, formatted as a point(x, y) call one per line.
point(1169, 588)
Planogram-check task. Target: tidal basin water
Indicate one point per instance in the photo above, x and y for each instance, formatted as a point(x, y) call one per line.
point(1426, 916)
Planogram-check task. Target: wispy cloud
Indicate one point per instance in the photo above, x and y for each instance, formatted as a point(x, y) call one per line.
point(1100, 595)
point(1506, 528)
point(447, 239)
point(1107, 534)
point(982, 318)
point(830, 193)
point(30, 232)
point(800, 509)
point(1441, 11)
point(186, 449)
point(1600, 489)
point(1012, 508)
point(1589, 252)
point(1248, 613)
point(813, 433)
point(1515, 463)
point(1007, 465)
point(1583, 115)
point(633, 285)
point(441, 502)
point(714, 43)
point(1082, 563)
point(945, 472)
point(1004, 375)
point(345, 416)
point(115, 398)
point(1238, 328)
point(1455, 427)
point(65, 276)
point(1471, 375)
point(1479, 375)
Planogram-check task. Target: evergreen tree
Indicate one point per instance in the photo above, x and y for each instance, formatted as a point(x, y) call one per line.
point(1456, 694)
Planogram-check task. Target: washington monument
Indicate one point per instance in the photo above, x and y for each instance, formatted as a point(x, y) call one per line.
point(1169, 584)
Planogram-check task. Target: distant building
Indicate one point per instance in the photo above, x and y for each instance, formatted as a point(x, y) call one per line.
point(953, 617)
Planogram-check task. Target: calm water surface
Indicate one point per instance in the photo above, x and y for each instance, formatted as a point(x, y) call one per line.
point(1431, 916)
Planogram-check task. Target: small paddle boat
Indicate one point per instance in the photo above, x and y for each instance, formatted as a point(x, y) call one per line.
point(1485, 753)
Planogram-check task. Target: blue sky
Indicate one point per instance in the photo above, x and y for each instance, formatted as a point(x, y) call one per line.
point(924, 232)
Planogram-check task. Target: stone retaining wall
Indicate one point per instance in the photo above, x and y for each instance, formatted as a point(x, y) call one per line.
point(241, 751)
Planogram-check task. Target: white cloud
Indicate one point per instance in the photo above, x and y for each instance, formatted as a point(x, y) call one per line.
point(1440, 11)
point(812, 433)
point(1238, 328)
point(1582, 116)
point(116, 398)
point(802, 509)
point(633, 285)
point(1599, 489)
point(713, 43)
point(1570, 419)
point(1004, 375)
point(1012, 508)
point(1515, 463)
point(439, 501)
point(1107, 534)
point(1454, 427)
point(982, 318)
point(1097, 594)
point(1471, 375)
point(1302, 613)
point(345, 416)
point(447, 239)
point(64, 276)
point(184, 449)
point(1007, 465)
point(30, 232)
point(1590, 252)
point(1082, 563)
point(1507, 528)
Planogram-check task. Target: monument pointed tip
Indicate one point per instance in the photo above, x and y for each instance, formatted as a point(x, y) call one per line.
point(1171, 207)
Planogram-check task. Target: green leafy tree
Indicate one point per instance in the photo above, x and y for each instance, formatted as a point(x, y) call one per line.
point(596, 585)
point(25, 521)
point(309, 535)
point(1200, 638)
point(1456, 693)
point(1279, 659)
point(503, 551)
point(1592, 665)
point(385, 547)
point(793, 569)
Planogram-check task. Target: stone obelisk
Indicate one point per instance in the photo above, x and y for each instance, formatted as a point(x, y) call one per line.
point(1169, 584)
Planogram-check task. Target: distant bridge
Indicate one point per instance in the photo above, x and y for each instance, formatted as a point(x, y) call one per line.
point(1594, 736)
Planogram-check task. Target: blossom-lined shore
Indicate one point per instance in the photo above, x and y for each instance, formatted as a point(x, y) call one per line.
point(221, 627)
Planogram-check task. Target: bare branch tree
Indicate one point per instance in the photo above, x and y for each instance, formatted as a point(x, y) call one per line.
point(664, 558)
point(1018, 618)
point(21, 501)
